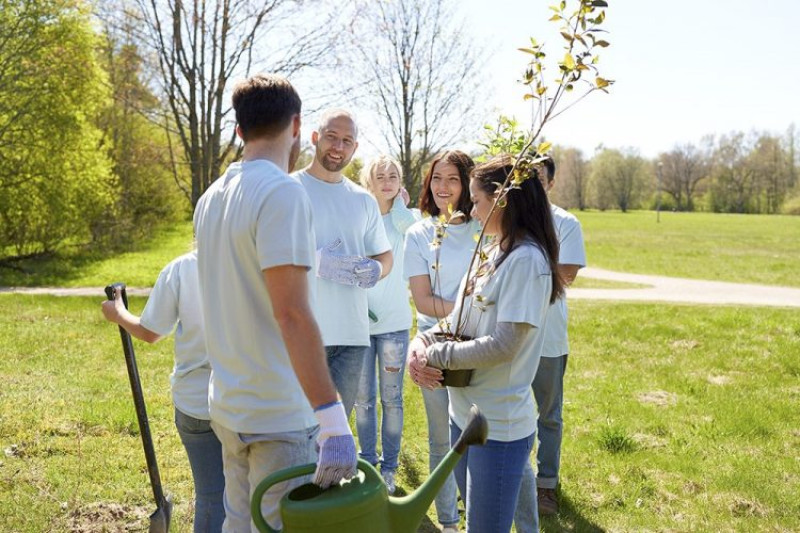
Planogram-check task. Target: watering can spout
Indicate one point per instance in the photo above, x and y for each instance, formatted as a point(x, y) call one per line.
point(407, 512)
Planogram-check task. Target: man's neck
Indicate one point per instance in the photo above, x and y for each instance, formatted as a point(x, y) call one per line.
point(318, 171)
point(264, 150)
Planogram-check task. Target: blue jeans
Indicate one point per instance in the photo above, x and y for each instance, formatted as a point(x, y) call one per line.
point(526, 517)
point(489, 478)
point(390, 351)
point(345, 363)
point(548, 389)
point(205, 458)
point(436, 408)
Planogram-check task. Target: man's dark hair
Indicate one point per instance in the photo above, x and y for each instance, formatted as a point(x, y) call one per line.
point(550, 165)
point(264, 105)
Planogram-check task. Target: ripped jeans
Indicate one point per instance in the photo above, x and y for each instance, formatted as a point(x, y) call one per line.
point(387, 351)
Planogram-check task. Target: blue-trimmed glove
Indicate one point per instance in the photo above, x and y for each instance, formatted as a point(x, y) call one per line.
point(337, 449)
point(347, 269)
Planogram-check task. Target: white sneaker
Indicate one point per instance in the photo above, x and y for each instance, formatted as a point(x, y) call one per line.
point(450, 529)
point(388, 478)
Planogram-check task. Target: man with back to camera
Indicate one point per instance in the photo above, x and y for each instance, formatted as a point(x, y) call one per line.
point(352, 249)
point(271, 392)
point(548, 385)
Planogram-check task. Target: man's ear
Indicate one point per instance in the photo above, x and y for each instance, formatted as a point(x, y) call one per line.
point(239, 132)
point(314, 137)
point(296, 124)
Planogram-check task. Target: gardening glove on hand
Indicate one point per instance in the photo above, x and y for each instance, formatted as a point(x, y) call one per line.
point(368, 272)
point(337, 449)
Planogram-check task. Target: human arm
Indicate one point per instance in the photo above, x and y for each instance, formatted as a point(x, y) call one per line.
point(500, 347)
point(386, 260)
point(115, 311)
point(287, 286)
point(426, 302)
point(568, 273)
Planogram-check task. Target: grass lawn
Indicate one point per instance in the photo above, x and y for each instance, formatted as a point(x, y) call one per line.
point(678, 418)
point(762, 249)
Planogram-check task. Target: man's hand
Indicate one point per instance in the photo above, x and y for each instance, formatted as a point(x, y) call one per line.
point(112, 309)
point(337, 449)
point(347, 269)
point(423, 375)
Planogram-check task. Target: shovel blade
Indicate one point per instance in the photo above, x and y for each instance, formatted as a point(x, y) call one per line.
point(159, 520)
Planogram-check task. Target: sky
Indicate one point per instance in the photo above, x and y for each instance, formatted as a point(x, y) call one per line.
point(682, 69)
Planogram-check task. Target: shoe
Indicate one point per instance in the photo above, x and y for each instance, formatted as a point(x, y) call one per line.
point(548, 503)
point(388, 478)
point(450, 529)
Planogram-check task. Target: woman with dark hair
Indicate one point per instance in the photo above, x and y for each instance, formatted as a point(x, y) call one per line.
point(434, 273)
point(504, 305)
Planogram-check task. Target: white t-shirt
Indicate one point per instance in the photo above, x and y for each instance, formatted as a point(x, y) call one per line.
point(175, 299)
point(455, 254)
point(253, 218)
point(518, 291)
point(388, 299)
point(571, 252)
point(348, 212)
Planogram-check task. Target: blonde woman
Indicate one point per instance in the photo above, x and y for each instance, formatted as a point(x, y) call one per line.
point(390, 322)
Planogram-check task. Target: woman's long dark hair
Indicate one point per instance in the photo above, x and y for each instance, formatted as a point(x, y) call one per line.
point(464, 164)
point(526, 214)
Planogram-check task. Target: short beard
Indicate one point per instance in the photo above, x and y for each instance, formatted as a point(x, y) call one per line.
point(330, 166)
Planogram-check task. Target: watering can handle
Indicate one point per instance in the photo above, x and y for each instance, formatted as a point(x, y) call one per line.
point(284, 475)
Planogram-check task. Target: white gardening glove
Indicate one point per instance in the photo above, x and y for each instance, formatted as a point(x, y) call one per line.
point(346, 269)
point(337, 449)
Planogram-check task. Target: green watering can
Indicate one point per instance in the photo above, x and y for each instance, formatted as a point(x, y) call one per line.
point(361, 504)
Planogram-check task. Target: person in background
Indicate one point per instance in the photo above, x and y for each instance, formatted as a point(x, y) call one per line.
point(271, 393)
point(174, 304)
point(352, 249)
point(390, 322)
point(434, 274)
point(539, 496)
point(505, 301)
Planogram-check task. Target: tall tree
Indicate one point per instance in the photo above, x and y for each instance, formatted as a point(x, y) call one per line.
point(419, 72)
point(54, 182)
point(734, 178)
point(572, 178)
point(619, 178)
point(202, 45)
point(683, 168)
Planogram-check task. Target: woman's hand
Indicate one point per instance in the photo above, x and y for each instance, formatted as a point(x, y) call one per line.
point(421, 374)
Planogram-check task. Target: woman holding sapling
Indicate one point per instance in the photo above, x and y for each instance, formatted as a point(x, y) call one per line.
point(502, 308)
point(390, 322)
point(437, 254)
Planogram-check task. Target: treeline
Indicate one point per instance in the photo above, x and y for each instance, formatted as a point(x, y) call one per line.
point(755, 172)
point(81, 162)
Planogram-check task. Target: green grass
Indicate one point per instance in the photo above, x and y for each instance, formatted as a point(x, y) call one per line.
point(762, 249)
point(678, 418)
point(79, 268)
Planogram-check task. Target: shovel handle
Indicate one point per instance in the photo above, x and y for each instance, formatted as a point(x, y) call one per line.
point(138, 401)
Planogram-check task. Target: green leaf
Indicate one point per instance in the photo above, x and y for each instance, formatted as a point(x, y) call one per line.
point(569, 61)
point(528, 97)
point(555, 18)
point(599, 3)
point(527, 51)
point(567, 36)
point(544, 147)
point(601, 82)
point(602, 43)
point(563, 5)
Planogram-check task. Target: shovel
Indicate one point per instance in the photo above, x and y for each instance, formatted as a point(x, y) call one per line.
point(159, 520)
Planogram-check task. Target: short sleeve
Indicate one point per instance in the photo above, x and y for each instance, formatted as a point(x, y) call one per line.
point(524, 289)
point(375, 239)
point(415, 261)
point(284, 230)
point(402, 217)
point(571, 248)
point(161, 310)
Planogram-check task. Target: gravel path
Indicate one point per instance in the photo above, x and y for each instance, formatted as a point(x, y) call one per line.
point(659, 289)
point(665, 289)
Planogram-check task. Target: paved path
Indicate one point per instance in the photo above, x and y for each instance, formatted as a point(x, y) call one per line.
point(659, 289)
point(665, 289)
